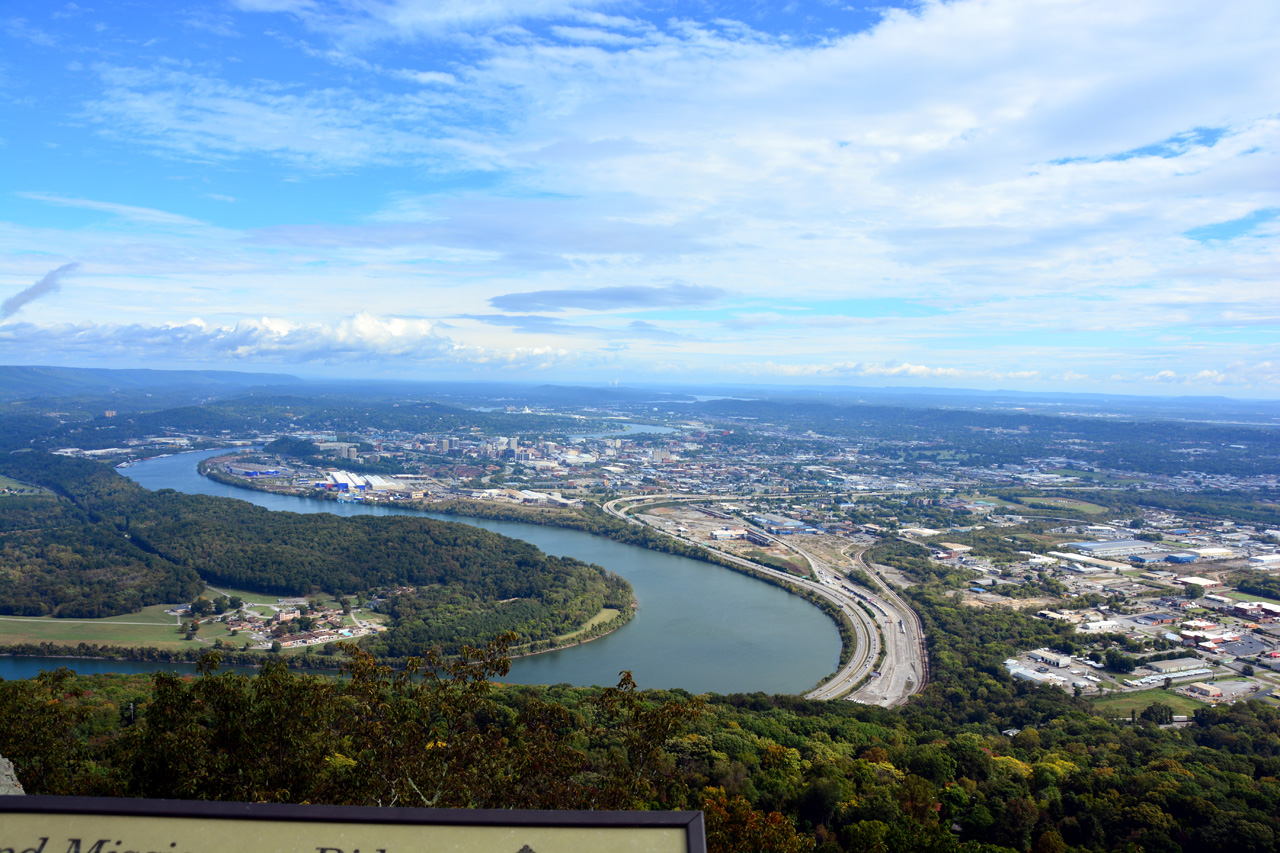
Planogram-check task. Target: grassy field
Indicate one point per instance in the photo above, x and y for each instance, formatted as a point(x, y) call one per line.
point(150, 626)
point(112, 632)
point(155, 614)
point(8, 483)
point(264, 603)
point(268, 598)
point(1000, 502)
point(1247, 596)
point(1121, 705)
point(1070, 503)
point(794, 567)
point(605, 615)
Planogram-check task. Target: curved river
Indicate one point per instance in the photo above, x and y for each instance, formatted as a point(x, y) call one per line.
point(700, 627)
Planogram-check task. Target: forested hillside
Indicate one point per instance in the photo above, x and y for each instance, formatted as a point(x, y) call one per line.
point(105, 540)
point(55, 560)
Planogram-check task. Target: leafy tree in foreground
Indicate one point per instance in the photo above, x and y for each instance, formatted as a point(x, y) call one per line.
point(732, 824)
point(430, 734)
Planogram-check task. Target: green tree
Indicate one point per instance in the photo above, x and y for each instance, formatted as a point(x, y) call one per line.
point(1118, 661)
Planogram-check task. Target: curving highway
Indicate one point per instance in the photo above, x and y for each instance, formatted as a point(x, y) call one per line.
point(881, 619)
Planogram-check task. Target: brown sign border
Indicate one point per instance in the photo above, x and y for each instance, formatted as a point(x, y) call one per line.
point(690, 822)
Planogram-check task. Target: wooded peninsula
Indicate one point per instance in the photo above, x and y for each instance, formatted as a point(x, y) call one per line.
point(96, 544)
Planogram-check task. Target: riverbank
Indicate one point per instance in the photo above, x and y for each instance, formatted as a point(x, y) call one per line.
point(446, 585)
point(306, 658)
point(588, 519)
point(698, 628)
point(153, 654)
point(586, 634)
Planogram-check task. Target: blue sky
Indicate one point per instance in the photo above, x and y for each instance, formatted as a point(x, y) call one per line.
point(1034, 194)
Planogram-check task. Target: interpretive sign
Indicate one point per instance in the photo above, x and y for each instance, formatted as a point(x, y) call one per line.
point(107, 825)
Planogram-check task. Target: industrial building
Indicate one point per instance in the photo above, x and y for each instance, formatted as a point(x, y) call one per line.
point(1162, 557)
point(1118, 548)
point(1203, 583)
point(1257, 611)
point(1168, 667)
point(1215, 553)
point(954, 549)
point(1209, 691)
point(1051, 658)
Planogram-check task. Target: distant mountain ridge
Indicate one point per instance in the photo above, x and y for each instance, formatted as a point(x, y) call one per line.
point(22, 382)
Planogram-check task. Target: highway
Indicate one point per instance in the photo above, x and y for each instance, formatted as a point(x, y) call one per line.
point(890, 623)
point(905, 669)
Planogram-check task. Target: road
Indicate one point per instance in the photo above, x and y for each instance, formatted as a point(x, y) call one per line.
point(891, 623)
point(905, 669)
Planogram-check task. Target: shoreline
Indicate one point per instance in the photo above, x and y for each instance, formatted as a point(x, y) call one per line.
point(642, 536)
point(583, 642)
point(256, 659)
point(308, 657)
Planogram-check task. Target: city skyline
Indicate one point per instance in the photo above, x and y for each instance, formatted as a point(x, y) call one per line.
point(1041, 196)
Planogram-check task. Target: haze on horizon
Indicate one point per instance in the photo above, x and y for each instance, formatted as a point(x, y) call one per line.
point(1028, 194)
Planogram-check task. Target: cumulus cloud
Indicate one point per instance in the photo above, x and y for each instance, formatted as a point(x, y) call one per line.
point(387, 344)
point(609, 298)
point(261, 339)
point(1260, 374)
point(51, 282)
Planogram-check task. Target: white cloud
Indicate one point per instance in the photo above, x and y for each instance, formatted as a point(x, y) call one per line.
point(146, 215)
point(379, 20)
point(426, 78)
point(1264, 374)
point(880, 371)
point(205, 118)
point(380, 339)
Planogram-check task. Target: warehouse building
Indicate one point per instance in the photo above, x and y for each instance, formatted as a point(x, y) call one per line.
point(1203, 583)
point(1168, 667)
point(1209, 691)
point(1118, 548)
point(1051, 658)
